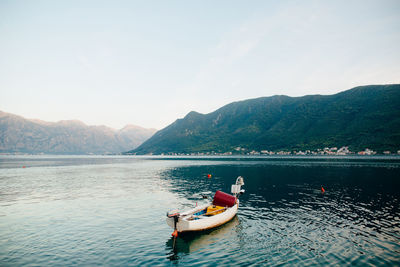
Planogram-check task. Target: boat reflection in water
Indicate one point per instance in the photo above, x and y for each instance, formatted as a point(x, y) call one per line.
point(190, 242)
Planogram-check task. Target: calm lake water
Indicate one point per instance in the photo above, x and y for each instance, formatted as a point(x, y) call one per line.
point(109, 210)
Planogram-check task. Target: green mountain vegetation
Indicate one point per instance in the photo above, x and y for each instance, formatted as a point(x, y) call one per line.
point(362, 117)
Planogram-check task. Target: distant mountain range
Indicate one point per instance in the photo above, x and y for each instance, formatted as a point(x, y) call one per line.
point(362, 117)
point(20, 135)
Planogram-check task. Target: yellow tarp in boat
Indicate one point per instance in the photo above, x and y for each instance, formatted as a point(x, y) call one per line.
point(212, 208)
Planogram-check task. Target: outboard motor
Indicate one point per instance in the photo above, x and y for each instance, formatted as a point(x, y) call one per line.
point(236, 188)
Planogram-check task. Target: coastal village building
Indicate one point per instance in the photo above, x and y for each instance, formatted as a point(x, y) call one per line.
point(333, 151)
point(367, 152)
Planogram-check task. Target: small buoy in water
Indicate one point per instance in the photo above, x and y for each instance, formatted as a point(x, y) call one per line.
point(175, 233)
point(322, 189)
point(209, 176)
point(23, 167)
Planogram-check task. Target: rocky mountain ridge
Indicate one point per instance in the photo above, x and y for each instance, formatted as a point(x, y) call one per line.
point(21, 135)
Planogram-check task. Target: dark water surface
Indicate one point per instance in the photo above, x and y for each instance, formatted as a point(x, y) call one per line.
point(109, 210)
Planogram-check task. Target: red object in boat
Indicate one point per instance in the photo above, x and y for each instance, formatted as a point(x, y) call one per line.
point(223, 199)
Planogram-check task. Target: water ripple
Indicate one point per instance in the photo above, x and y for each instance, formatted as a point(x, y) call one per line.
point(111, 211)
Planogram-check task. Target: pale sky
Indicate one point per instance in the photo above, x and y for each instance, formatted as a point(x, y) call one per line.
point(150, 62)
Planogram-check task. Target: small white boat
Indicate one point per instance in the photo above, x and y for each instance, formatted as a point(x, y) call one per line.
point(223, 208)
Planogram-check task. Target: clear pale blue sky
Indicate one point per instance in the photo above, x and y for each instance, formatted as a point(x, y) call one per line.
point(150, 62)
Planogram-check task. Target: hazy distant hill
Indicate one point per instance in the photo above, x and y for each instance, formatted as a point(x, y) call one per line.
point(363, 117)
point(18, 134)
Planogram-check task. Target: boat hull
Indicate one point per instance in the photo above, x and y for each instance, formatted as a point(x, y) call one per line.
point(184, 223)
